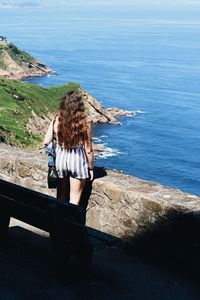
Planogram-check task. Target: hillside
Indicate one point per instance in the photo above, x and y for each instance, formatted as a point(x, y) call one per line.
point(25, 110)
point(18, 64)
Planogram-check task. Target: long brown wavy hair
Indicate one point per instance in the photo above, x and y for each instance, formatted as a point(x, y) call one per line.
point(72, 121)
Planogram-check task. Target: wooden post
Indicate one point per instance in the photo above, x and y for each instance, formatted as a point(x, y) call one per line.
point(4, 219)
point(83, 251)
point(80, 245)
point(57, 236)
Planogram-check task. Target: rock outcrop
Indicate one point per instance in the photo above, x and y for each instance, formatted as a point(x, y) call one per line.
point(96, 111)
point(17, 64)
point(117, 112)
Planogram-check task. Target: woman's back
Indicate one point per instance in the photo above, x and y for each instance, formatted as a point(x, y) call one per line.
point(74, 153)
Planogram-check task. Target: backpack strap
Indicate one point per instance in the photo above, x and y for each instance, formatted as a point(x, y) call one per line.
point(54, 142)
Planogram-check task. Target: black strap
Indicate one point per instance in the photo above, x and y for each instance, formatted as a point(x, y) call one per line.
point(53, 141)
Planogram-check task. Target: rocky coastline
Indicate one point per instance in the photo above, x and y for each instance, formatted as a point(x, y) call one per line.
point(97, 113)
point(117, 112)
point(35, 71)
point(17, 64)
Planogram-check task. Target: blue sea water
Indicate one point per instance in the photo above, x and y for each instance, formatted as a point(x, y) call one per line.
point(135, 59)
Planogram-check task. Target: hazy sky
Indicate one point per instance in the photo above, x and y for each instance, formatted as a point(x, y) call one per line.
point(140, 3)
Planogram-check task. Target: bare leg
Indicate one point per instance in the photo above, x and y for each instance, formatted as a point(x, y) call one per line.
point(63, 189)
point(76, 189)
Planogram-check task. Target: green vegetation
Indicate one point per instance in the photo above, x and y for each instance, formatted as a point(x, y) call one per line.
point(19, 56)
point(2, 59)
point(18, 100)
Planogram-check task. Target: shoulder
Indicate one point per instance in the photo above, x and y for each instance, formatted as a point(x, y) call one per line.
point(89, 124)
point(55, 118)
point(55, 121)
point(89, 121)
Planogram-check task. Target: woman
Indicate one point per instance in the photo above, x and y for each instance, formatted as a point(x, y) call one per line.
point(74, 152)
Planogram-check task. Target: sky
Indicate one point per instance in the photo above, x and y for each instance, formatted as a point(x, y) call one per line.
point(138, 3)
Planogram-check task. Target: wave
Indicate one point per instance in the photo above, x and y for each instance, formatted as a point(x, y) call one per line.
point(95, 139)
point(108, 152)
point(54, 73)
point(140, 112)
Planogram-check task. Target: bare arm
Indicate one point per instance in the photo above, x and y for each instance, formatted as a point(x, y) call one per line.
point(89, 152)
point(48, 136)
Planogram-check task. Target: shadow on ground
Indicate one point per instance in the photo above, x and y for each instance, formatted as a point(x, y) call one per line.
point(172, 243)
point(27, 273)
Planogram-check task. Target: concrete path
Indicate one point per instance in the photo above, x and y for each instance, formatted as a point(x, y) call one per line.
point(26, 273)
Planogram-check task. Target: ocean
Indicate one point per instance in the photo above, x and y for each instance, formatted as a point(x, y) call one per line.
point(143, 61)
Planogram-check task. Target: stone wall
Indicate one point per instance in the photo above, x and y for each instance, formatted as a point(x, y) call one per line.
point(120, 205)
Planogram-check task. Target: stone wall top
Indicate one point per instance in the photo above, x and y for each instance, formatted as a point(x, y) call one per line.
point(119, 204)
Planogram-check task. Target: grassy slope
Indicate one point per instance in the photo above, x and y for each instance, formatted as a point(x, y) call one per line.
point(16, 54)
point(18, 100)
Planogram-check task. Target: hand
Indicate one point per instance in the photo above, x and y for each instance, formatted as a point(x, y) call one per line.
point(91, 174)
point(44, 146)
point(41, 148)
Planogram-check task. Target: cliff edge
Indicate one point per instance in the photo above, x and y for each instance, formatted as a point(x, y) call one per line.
point(18, 64)
point(26, 110)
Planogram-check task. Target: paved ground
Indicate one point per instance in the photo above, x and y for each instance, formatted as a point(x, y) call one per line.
point(26, 274)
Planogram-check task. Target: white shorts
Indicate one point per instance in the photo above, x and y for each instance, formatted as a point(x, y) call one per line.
point(72, 162)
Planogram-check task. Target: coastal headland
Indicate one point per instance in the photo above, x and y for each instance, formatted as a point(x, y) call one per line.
point(18, 64)
point(27, 109)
